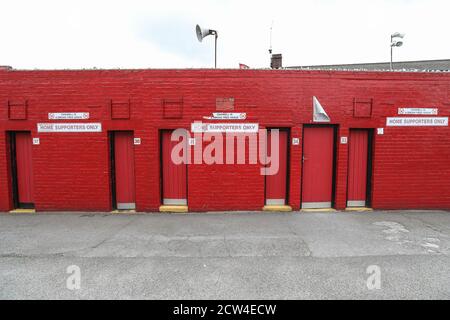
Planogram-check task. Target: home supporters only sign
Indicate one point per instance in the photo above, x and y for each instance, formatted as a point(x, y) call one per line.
point(416, 121)
point(69, 127)
point(198, 127)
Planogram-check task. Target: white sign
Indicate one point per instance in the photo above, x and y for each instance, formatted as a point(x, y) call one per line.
point(69, 127)
point(380, 130)
point(416, 122)
point(137, 141)
point(432, 111)
point(344, 140)
point(36, 141)
point(227, 116)
point(68, 116)
point(224, 127)
point(295, 141)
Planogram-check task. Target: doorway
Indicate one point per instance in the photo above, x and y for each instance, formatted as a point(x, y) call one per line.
point(359, 168)
point(276, 184)
point(174, 175)
point(22, 170)
point(122, 170)
point(318, 166)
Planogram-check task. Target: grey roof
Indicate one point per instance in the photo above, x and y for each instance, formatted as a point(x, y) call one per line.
point(421, 65)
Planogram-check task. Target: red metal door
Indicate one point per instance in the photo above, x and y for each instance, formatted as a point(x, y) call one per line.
point(357, 168)
point(124, 170)
point(174, 191)
point(276, 184)
point(317, 182)
point(24, 170)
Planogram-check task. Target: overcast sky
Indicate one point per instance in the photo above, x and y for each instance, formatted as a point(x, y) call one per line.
point(61, 34)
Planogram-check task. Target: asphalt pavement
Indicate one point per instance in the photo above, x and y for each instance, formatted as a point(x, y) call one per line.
point(226, 255)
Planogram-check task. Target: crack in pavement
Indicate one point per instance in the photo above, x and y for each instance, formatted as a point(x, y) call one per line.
point(114, 233)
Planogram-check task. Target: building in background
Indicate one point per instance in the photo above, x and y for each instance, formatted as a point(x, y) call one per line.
point(442, 65)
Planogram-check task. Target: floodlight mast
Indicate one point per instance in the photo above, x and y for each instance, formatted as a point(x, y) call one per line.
point(395, 43)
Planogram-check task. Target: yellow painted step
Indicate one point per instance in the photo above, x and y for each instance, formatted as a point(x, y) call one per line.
point(358, 209)
point(167, 208)
point(23, 211)
point(283, 208)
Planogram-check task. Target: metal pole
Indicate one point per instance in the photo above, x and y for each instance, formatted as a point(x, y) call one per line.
point(215, 51)
point(391, 55)
point(391, 58)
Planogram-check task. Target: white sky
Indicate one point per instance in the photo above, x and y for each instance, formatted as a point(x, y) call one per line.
point(63, 34)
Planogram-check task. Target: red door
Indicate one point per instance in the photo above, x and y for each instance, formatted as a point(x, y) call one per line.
point(174, 191)
point(276, 183)
point(357, 168)
point(124, 170)
point(318, 145)
point(24, 170)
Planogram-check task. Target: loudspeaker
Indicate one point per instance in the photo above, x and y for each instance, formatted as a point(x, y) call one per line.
point(201, 33)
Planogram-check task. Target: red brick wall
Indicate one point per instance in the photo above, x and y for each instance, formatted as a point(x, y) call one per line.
point(411, 166)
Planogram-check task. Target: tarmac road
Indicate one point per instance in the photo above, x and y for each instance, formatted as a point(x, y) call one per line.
point(240, 255)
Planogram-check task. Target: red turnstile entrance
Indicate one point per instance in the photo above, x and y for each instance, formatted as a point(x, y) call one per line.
point(276, 184)
point(22, 170)
point(357, 168)
point(124, 170)
point(318, 163)
point(174, 179)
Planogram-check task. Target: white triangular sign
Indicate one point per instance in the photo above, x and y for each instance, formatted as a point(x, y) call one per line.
point(319, 114)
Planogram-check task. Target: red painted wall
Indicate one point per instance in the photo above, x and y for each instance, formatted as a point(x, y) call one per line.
point(71, 170)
